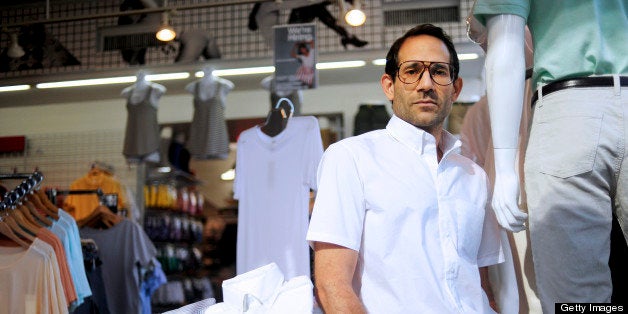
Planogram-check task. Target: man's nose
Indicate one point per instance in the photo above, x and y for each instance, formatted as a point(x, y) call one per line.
point(425, 80)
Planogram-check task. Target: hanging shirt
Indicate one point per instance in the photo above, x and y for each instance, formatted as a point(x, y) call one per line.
point(274, 176)
point(66, 230)
point(31, 281)
point(122, 248)
point(84, 204)
point(66, 278)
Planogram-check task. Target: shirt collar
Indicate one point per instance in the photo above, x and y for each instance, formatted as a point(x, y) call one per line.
point(417, 139)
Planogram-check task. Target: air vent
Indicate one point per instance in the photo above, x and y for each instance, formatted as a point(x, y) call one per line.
point(412, 12)
point(417, 16)
point(127, 37)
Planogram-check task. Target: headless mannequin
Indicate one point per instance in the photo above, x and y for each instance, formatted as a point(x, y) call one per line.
point(295, 95)
point(276, 122)
point(208, 137)
point(207, 84)
point(136, 94)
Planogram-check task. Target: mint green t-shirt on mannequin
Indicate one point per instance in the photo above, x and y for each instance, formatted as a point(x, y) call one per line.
point(561, 42)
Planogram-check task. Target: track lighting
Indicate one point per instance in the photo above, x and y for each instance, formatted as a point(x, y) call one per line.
point(15, 50)
point(165, 32)
point(355, 16)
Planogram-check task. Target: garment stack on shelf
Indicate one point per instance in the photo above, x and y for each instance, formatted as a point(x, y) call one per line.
point(51, 263)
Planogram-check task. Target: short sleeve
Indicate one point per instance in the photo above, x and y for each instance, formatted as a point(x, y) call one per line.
point(484, 8)
point(339, 209)
point(491, 251)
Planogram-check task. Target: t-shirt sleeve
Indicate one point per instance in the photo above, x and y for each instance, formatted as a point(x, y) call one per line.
point(484, 8)
point(339, 210)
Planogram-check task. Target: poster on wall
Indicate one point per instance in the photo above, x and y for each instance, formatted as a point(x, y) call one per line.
point(295, 56)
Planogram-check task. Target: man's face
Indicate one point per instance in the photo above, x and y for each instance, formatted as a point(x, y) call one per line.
point(424, 103)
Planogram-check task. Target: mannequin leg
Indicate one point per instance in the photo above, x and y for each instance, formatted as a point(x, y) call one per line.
point(308, 13)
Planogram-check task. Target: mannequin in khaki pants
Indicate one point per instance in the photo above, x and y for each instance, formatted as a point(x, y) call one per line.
point(575, 161)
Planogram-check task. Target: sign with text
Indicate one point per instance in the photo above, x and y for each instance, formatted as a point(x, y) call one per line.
point(295, 57)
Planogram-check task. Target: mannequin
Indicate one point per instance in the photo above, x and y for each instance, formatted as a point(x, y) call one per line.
point(142, 136)
point(265, 15)
point(295, 95)
point(208, 131)
point(514, 279)
point(571, 195)
point(196, 43)
point(318, 9)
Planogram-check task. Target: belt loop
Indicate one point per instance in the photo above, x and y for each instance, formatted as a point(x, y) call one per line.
point(617, 84)
point(539, 92)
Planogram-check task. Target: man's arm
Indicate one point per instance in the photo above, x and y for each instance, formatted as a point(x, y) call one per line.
point(334, 266)
point(486, 286)
point(505, 72)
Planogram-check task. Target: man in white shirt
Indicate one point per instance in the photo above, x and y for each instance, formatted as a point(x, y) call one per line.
point(399, 224)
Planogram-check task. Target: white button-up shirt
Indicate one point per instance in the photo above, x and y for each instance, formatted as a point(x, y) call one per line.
point(420, 226)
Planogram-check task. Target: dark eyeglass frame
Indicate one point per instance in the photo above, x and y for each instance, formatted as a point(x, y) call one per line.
point(427, 65)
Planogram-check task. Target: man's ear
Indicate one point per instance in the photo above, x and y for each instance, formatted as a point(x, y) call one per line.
point(457, 88)
point(388, 86)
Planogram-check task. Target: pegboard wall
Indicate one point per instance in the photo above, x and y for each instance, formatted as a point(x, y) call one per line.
point(65, 157)
point(74, 43)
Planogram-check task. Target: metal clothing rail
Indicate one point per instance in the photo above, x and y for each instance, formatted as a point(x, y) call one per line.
point(52, 193)
point(30, 183)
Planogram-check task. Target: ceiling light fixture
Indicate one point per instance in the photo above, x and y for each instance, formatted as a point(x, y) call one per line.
point(15, 50)
point(165, 32)
point(14, 88)
point(340, 64)
point(355, 16)
point(113, 80)
point(240, 71)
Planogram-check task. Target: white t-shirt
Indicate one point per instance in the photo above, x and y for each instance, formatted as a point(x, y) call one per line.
point(419, 226)
point(274, 176)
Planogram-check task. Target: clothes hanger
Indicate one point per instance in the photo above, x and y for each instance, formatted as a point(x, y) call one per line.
point(6, 230)
point(23, 222)
point(46, 201)
point(100, 217)
point(15, 227)
point(21, 191)
point(34, 198)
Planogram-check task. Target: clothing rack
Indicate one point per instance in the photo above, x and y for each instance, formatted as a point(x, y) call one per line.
point(30, 183)
point(52, 193)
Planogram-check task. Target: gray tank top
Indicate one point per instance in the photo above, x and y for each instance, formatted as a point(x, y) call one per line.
point(141, 137)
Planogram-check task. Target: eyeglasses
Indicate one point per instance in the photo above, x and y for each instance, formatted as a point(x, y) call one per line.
point(411, 71)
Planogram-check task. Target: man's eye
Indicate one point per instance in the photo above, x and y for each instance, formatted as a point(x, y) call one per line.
point(411, 71)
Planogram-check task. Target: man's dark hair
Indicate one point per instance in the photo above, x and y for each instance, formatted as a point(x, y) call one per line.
point(392, 58)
